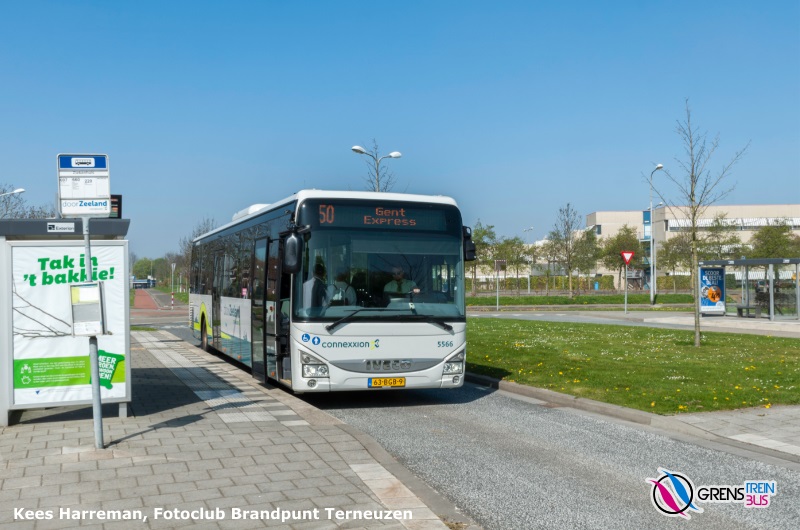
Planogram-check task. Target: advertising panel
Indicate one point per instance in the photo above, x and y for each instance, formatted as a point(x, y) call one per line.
point(712, 290)
point(50, 364)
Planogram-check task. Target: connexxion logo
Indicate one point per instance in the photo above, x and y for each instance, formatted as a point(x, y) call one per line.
point(360, 344)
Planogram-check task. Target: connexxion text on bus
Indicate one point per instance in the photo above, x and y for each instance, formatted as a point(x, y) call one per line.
point(335, 290)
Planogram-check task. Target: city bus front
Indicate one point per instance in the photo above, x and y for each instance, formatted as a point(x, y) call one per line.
point(378, 301)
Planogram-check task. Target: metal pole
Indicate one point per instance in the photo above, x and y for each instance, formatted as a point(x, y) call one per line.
point(94, 364)
point(652, 291)
point(626, 288)
point(797, 289)
point(771, 293)
point(497, 283)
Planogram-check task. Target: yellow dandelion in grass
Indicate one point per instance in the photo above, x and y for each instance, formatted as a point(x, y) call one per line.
point(652, 403)
point(737, 387)
point(678, 390)
point(715, 398)
point(577, 381)
point(768, 405)
point(681, 407)
point(560, 373)
point(777, 387)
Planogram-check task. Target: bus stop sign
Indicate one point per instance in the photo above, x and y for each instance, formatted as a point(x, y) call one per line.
point(83, 186)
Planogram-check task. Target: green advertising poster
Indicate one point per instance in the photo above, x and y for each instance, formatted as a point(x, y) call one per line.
point(50, 364)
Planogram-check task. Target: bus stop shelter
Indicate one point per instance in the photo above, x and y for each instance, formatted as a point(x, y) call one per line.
point(43, 362)
point(761, 287)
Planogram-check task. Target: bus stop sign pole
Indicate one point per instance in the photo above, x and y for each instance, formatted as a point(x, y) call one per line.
point(94, 363)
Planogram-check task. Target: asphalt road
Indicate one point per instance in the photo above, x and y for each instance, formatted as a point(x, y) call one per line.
point(513, 463)
point(510, 463)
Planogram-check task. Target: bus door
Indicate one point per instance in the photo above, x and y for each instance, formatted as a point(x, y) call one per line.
point(276, 342)
point(259, 308)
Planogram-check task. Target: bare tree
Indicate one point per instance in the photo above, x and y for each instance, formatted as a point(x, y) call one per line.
point(698, 188)
point(379, 178)
point(564, 237)
point(13, 206)
point(185, 246)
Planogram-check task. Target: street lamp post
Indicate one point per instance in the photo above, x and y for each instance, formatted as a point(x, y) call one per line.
point(530, 264)
point(18, 190)
point(361, 151)
point(653, 241)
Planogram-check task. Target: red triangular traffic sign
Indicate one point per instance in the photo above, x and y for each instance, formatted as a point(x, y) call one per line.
point(627, 255)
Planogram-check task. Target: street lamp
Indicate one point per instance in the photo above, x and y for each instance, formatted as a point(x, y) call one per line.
point(530, 264)
point(653, 241)
point(18, 190)
point(361, 151)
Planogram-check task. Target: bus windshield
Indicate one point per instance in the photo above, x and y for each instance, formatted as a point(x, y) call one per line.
point(380, 275)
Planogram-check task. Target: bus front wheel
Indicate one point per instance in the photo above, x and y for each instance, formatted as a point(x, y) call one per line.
point(203, 335)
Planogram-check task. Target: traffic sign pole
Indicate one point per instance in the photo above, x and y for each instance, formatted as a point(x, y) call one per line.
point(627, 256)
point(626, 288)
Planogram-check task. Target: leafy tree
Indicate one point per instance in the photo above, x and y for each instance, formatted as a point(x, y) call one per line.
point(775, 241)
point(676, 253)
point(485, 240)
point(625, 240)
point(549, 253)
point(142, 268)
point(564, 236)
point(587, 252)
point(722, 240)
point(698, 187)
point(514, 252)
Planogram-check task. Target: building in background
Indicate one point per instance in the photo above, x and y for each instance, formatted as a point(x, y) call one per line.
point(669, 222)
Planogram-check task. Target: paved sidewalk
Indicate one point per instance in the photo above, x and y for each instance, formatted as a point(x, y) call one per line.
point(207, 440)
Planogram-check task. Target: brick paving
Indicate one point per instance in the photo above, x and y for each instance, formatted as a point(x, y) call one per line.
point(203, 436)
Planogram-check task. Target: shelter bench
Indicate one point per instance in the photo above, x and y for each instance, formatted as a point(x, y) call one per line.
point(744, 310)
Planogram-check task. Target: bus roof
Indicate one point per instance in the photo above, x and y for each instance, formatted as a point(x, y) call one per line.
point(304, 195)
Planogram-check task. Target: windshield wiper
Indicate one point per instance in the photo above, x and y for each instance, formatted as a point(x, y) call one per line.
point(427, 318)
point(334, 325)
point(415, 316)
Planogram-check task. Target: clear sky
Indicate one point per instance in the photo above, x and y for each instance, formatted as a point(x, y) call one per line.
point(512, 108)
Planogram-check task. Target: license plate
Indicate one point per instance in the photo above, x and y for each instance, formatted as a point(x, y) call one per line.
point(380, 382)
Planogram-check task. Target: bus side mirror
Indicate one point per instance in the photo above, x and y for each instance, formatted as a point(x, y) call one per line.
point(469, 245)
point(292, 254)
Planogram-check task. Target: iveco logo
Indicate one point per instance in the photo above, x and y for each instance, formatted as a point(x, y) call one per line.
point(388, 365)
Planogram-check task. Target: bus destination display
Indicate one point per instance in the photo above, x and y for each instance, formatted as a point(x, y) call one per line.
point(387, 216)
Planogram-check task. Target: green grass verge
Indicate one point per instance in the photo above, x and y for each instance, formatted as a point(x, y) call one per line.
point(180, 298)
point(143, 328)
point(580, 300)
point(657, 370)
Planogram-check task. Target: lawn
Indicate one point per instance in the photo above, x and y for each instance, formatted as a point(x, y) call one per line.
point(657, 370)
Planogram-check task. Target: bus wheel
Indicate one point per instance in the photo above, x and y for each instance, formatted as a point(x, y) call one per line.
point(203, 335)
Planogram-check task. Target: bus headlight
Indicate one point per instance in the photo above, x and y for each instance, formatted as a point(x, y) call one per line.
point(455, 364)
point(313, 367)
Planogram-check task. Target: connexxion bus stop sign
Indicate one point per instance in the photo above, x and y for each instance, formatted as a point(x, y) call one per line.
point(83, 186)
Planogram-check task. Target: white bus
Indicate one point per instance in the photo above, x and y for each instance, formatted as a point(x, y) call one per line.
point(336, 290)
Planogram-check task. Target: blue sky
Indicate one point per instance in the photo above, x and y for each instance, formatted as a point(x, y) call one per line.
point(512, 108)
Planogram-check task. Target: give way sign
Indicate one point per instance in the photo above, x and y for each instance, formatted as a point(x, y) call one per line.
point(627, 255)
